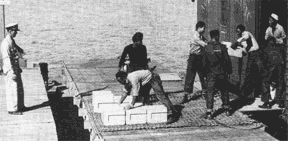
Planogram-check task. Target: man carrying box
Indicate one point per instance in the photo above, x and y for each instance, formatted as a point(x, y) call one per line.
point(145, 80)
point(255, 70)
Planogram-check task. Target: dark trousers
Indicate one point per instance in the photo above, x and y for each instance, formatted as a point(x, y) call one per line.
point(219, 82)
point(156, 84)
point(254, 74)
point(275, 75)
point(194, 64)
point(282, 93)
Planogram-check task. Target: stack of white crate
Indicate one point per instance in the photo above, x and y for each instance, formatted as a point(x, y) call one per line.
point(106, 103)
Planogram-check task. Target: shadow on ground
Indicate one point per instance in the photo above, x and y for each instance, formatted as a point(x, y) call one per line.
point(68, 125)
point(274, 126)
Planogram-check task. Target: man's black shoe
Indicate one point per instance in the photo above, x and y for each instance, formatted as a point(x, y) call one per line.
point(208, 115)
point(281, 105)
point(228, 111)
point(15, 113)
point(265, 106)
point(283, 117)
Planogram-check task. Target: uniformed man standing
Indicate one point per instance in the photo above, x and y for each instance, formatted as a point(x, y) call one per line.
point(217, 66)
point(11, 53)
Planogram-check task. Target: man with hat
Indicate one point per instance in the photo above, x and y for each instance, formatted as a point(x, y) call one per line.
point(275, 36)
point(11, 53)
point(275, 31)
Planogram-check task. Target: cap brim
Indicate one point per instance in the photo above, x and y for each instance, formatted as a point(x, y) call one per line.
point(13, 29)
point(16, 29)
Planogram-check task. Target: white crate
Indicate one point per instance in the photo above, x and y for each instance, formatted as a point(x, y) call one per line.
point(156, 114)
point(113, 117)
point(103, 96)
point(169, 77)
point(105, 106)
point(137, 115)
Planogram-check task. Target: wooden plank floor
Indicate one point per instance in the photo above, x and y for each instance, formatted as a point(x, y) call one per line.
point(34, 125)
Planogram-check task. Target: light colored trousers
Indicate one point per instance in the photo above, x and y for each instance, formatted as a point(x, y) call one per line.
point(14, 91)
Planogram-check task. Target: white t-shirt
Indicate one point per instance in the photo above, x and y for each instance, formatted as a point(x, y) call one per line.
point(137, 79)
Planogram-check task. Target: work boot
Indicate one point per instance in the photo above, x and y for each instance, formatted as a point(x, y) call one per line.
point(227, 109)
point(208, 115)
point(284, 116)
point(15, 113)
point(281, 105)
point(172, 118)
point(266, 105)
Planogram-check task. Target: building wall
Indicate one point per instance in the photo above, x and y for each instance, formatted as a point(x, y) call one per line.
point(286, 72)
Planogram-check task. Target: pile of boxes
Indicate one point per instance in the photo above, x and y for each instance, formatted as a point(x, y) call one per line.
point(106, 103)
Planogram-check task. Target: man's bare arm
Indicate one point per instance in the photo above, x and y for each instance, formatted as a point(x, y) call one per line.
point(133, 100)
point(123, 97)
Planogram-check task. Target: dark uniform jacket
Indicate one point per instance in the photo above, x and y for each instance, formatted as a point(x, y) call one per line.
point(216, 59)
point(272, 55)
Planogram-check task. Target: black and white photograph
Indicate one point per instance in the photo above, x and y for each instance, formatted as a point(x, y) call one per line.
point(145, 70)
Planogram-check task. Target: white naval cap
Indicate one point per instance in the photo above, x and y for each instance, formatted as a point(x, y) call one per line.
point(274, 16)
point(12, 26)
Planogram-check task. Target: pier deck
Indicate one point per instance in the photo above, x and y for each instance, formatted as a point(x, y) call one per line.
point(85, 77)
point(37, 123)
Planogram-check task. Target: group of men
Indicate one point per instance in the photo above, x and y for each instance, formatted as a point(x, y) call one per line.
point(210, 59)
point(264, 69)
point(138, 78)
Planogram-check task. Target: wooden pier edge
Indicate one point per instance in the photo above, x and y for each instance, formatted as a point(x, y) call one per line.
point(82, 104)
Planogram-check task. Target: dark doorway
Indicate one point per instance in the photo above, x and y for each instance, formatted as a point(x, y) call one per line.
point(268, 7)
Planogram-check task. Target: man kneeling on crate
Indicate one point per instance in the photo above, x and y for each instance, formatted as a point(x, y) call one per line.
point(146, 79)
